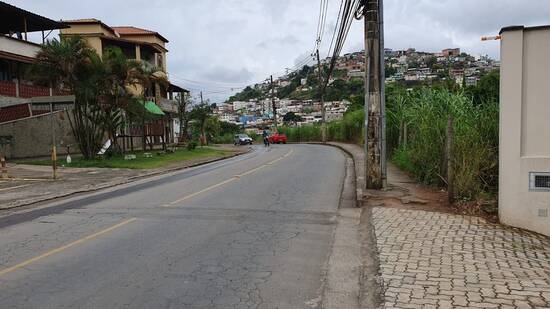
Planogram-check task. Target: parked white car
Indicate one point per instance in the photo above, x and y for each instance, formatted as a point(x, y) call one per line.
point(242, 139)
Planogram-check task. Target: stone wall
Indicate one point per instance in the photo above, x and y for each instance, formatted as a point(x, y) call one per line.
point(32, 137)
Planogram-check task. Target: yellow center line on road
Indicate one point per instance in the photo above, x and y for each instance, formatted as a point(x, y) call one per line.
point(171, 204)
point(199, 192)
point(65, 247)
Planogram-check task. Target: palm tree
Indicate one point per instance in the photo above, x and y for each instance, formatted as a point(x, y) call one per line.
point(201, 113)
point(183, 116)
point(71, 65)
point(120, 75)
point(148, 79)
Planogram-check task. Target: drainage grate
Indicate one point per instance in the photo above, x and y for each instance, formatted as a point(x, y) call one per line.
point(539, 181)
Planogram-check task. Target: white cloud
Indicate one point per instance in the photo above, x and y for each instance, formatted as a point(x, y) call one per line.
point(244, 41)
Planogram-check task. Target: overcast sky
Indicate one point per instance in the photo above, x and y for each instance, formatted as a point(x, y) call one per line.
point(218, 44)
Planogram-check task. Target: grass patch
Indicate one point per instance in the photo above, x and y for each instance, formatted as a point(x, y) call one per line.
point(141, 162)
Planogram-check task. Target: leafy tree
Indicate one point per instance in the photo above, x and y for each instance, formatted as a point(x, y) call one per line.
point(183, 115)
point(229, 128)
point(431, 61)
point(200, 113)
point(308, 110)
point(291, 117)
point(246, 94)
point(212, 127)
point(487, 89)
point(389, 70)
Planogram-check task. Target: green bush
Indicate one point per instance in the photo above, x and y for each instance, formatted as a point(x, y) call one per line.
point(192, 145)
point(226, 138)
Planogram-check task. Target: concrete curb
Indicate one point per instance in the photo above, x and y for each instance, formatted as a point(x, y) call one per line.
point(122, 182)
point(358, 173)
point(371, 285)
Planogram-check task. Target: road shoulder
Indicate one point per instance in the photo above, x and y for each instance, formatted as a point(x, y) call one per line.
point(31, 187)
point(343, 286)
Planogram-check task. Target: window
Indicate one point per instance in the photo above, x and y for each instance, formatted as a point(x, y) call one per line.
point(539, 181)
point(4, 70)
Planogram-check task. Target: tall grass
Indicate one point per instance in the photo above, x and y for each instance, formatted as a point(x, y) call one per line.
point(349, 129)
point(417, 123)
point(416, 135)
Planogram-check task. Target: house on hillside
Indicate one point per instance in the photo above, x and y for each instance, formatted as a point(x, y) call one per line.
point(143, 45)
point(451, 52)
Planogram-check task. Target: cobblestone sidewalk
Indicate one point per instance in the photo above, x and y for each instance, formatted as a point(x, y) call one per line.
point(440, 260)
point(431, 258)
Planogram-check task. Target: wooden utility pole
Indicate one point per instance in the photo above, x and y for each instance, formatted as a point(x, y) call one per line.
point(54, 150)
point(273, 103)
point(321, 98)
point(3, 166)
point(182, 114)
point(374, 84)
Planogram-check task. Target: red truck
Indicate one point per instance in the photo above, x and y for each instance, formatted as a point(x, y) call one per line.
point(277, 138)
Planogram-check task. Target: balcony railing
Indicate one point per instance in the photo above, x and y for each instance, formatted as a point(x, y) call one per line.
point(167, 105)
point(21, 90)
point(8, 89)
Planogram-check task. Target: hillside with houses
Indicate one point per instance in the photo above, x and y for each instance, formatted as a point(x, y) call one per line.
point(297, 92)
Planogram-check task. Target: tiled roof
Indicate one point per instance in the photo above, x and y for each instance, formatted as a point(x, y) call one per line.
point(83, 20)
point(130, 30)
point(88, 21)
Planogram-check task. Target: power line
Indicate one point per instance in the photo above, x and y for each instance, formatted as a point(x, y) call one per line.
point(348, 12)
point(335, 27)
point(321, 21)
point(227, 84)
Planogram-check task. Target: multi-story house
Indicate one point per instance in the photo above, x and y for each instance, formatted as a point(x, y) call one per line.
point(29, 112)
point(451, 52)
point(143, 45)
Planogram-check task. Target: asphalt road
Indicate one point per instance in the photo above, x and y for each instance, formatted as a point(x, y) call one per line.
point(254, 231)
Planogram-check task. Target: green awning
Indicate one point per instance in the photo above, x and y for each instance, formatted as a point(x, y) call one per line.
point(152, 108)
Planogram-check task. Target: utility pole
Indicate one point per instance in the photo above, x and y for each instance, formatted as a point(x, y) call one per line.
point(273, 103)
point(321, 97)
point(54, 149)
point(374, 89)
point(202, 102)
point(182, 115)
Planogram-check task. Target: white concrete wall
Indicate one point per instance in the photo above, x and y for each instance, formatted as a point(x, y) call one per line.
point(18, 47)
point(524, 131)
